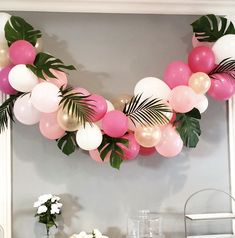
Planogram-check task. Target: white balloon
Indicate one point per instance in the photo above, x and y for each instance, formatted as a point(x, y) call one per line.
point(89, 137)
point(4, 17)
point(202, 104)
point(45, 97)
point(152, 87)
point(110, 106)
point(22, 79)
point(224, 48)
point(25, 112)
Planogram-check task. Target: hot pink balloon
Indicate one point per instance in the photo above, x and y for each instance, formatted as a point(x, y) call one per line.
point(5, 86)
point(60, 80)
point(115, 123)
point(82, 91)
point(25, 112)
point(99, 106)
point(144, 151)
point(182, 99)
point(95, 155)
point(133, 148)
point(196, 42)
point(222, 87)
point(201, 59)
point(171, 143)
point(22, 52)
point(49, 127)
point(177, 73)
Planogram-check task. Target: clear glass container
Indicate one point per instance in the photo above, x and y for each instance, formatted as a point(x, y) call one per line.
point(1, 232)
point(144, 225)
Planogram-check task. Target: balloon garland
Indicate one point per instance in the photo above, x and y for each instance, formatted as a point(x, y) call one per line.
point(162, 116)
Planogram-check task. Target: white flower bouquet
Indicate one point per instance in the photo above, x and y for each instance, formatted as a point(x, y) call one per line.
point(48, 207)
point(95, 234)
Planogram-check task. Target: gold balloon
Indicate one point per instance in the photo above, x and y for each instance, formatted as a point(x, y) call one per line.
point(67, 121)
point(4, 55)
point(39, 45)
point(148, 136)
point(199, 82)
point(121, 100)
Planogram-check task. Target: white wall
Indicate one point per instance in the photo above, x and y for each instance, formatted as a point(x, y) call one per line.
point(112, 53)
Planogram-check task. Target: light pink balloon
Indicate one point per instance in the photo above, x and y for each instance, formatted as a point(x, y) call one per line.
point(22, 52)
point(171, 143)
point(196, 42)
point(177, 73)
point(95, 155)
point(133, 148)
point(222, 87)
point(82, 91)
point(60, 80)
point(25, 112)
point(115, 123)
point(49, 127)
point(45, 97)
point(201, 59)
point(147, 151)
point(182, 99)
point(99, 106)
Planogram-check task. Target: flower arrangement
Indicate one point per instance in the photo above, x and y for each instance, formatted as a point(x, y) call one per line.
point(161, 116)
point(95, 234)
point(48, 208)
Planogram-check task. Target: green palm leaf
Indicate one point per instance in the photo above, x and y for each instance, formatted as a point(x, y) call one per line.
point(188, 126)
point(44, 62)
point(6, 111)
point(18, 29)
point(112, 145)
point(147, 112)
point(77, 105)
point(226, 66)
point(210, 28)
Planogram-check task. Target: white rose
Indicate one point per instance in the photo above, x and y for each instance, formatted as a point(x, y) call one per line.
point(55, 209)
point(59, 205)
point(37, 204)
point(44, 198)
point(42, 209)
point(55, 199)
point(82, 234)
point(97, 233)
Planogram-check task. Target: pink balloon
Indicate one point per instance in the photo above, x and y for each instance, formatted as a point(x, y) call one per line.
point(177, 73)
point(115, 123)
point(5, 86)
point(49, 127)
point(171, 143)
point(82, 91)
point(133, 148)
point(182, 99)
point(45, 97)
point(222, 87)
point(95, 155)
point(59, 81)
point(144, 151)
point(25, 112)
point(99, 106)
point(22, 52)
point(196, 42)
point(201, 59)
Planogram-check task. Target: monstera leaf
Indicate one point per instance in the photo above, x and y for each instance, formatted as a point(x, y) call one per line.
point(18, 29)
point(147, 112)
point(112, 145)
point(210, 28)
point(67, 144)
point(44, 62)
point(188, 126)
